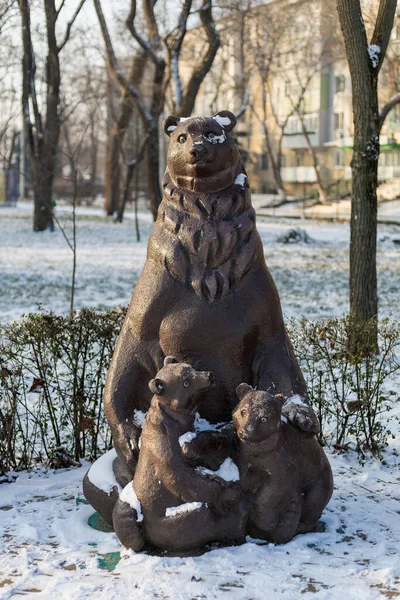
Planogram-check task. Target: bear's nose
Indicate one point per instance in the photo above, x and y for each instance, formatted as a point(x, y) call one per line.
point(198, 149)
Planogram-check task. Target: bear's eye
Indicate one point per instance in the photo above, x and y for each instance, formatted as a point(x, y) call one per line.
point(182, 138)
point(210, 135)
point(263, 419)
point(243, 411)
point(186, 383)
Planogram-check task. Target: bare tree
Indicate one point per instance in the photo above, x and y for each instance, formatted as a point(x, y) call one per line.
point(9, 59)
point(365, 60)
point(160, 60)
point(42, 131)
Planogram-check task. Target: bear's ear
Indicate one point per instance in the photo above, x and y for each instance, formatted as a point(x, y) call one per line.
point(281, 399)
point(242, 389)
point(170, 360)
point(226, 119)
point(170, 124)
point(157, 386)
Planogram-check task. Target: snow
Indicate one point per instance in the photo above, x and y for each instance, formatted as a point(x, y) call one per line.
point(295, 400)
point(217, 139)
point(201, 424)
point(139, 417)
point(186, 438)
point(227, 471)
point(172, 511)
point(223, 121)
point(128, 495)
point(312, 279)
point(241, 179)
point(374, 51)
point(46, 544)
point(101, 473)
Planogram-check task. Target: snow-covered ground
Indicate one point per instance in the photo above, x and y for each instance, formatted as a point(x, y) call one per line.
point(48, 550)
point(312, 278)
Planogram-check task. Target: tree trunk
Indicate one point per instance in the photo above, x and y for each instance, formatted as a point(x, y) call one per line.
point(365, 60)
point(152, 160)
point(93, 160)
point(42, 183)
point(363, 277)
point(113, 167)
point(311, 149)
point(116, 137)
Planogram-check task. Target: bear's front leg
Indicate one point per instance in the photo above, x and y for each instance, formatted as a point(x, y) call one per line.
point(301, 415)
point(210, 448)
point(126, 518)
point(276, 370)
point(134, 363)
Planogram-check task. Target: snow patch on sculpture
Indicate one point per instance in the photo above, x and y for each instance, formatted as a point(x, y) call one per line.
point(186, 438)
point(295, 400)
point(217, 139)
point(228, 471)
point(128, 496)
point(241, 179)
point(183, 508)
point(101, 473)
point(201, 424)
point(223, 121)
point(139, 416)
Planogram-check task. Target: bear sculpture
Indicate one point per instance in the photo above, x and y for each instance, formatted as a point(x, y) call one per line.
point(171, 505)
point(205, 294)
point(285, 472)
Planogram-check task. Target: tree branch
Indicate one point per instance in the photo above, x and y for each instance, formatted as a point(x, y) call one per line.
point(117, 71)
point(391, 103)
point(383, 28)
point(70, 23)
point(174, 42)
point(201, 70)
point(152, 26)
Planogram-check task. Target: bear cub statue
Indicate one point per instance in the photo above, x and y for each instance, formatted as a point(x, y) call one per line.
point(285, 471)
point(170, 505)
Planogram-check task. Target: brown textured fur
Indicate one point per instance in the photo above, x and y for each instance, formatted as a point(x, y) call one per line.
point(206, 241)
point(205, 294)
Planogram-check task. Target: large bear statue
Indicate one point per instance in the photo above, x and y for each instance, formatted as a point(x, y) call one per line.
point(205, 294)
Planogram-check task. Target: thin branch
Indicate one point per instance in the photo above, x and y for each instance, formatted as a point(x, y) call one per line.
point(383, 28)
point(246, 96)
point(130, 24)
point(206, 61)
point(391, 103)
point(60, 8)
point(174, 42)
point(70, 23)
point(117, 71)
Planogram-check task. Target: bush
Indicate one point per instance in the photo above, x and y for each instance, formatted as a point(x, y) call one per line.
point(52, 375)
point(53, 370)
point(348, 388)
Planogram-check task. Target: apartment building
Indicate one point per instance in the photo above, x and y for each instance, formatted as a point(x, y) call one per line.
point(285, 60)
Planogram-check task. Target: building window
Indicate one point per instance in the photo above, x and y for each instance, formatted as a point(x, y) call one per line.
point(263, 161)
point(338, 158)
point(340, 83)
point(311, 123)
point(338, 119)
